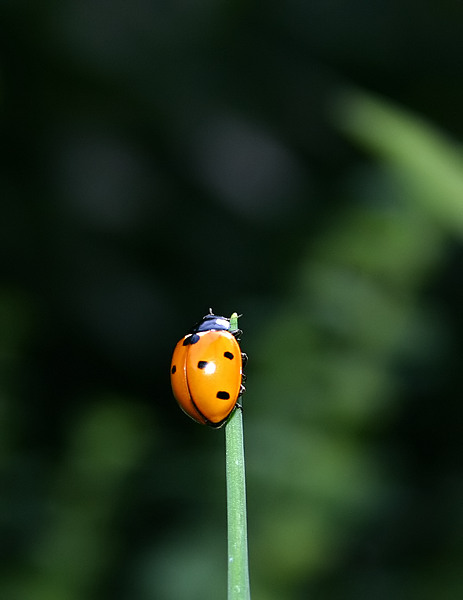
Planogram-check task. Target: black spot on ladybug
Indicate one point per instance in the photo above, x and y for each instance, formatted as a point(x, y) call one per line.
point(174, 368)
point(191, 339)
point(202, 364)
point(223, 395)
point(228, 355)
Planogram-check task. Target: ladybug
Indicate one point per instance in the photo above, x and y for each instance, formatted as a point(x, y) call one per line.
point(206, 372)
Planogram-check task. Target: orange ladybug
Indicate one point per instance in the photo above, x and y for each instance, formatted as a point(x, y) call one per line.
point(206, 372)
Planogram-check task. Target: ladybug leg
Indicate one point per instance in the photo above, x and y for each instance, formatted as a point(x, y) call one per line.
point(244, 360)
point(237, 333)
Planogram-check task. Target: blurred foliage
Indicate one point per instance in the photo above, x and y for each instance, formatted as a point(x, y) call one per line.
point(298, 165)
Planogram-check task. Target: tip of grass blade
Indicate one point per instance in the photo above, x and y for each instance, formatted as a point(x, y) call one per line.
point(234, 321)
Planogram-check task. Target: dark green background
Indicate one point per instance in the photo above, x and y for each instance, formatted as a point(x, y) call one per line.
point(296, 162)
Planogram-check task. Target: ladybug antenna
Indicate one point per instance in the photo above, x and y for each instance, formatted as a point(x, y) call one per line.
point(210, 311)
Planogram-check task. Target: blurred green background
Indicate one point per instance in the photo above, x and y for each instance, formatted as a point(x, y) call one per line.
point(297, 162)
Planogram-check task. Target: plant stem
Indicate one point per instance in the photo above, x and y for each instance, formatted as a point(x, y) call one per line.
point(238, 569)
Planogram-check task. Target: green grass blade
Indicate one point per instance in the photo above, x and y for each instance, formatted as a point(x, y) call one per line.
point(238, 568)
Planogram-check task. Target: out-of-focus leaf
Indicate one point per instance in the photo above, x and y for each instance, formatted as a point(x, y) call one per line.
point(427, 161)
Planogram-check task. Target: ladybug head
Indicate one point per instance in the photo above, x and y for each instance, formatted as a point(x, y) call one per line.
point(211, 322)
